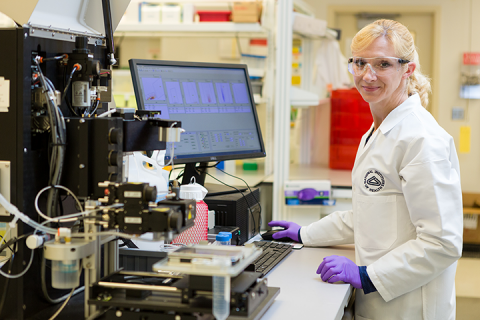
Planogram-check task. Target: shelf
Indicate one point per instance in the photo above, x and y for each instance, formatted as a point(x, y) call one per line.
point(300, 98)
point(338, 178)
point(471, 211)
point(211, 28)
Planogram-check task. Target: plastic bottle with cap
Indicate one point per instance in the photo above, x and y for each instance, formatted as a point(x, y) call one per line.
point(193, 190)
point(223, 239)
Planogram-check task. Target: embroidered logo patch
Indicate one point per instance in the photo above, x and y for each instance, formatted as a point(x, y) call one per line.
point(374, 180)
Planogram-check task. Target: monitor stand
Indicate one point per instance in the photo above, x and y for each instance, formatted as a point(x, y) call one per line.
point(214, 189)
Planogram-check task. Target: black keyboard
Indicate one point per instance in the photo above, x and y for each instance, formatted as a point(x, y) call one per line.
point(273, 253)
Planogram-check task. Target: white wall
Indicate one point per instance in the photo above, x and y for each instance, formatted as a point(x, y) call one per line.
point(458, 29)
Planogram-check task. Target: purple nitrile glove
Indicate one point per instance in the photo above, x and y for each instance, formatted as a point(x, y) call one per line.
point(336, 268)
point(291, 229)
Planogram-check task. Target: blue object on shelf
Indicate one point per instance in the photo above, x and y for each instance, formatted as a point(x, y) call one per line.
point(221, 165)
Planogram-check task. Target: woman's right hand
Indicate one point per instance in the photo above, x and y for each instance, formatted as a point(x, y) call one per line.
point(291, 229)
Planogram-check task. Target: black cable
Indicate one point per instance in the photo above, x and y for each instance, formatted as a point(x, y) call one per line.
point(14, 241)
point(60, 205)
point(68, 82)
point(95, 108)
point(2, 240)
point(179, 175)
point(65, 89)
point(128, 243)
point(253, 218)
point(173, 168)
point(258, 202)
point(58, 135)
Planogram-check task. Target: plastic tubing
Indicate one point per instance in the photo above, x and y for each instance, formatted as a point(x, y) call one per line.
point(107, 113)
point(170, 162)
point(19, 215)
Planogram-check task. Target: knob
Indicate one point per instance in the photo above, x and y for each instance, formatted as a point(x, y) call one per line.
point(81, 45)
point(113, 158)
point(151, 193)
point(113, 177)
point(175, 220)
point(114, 136)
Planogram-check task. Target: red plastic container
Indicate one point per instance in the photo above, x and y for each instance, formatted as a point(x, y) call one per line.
point(350, 119)
point(214, 16)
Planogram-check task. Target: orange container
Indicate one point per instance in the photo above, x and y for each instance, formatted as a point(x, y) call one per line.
point(350, 119)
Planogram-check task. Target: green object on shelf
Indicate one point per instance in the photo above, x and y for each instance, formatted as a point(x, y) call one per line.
point(119, 100)
point(132, 102)
point(250, 166)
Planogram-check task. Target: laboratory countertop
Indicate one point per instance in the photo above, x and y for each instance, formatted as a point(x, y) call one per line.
point(303, 294)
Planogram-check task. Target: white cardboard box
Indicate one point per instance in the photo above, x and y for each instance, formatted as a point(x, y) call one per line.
point(307, 25)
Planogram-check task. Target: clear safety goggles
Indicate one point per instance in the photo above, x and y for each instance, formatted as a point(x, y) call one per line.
point(379, 65)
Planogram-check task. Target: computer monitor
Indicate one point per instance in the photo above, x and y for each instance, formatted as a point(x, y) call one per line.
point(214, 102)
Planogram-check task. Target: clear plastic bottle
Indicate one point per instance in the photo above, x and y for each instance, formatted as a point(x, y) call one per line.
point(65, 274)
point(223, 238)
point(221, 285)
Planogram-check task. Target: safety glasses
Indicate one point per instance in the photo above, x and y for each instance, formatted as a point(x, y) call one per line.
point(379, 65)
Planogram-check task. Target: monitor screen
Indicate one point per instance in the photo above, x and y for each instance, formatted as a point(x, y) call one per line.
point(213, 101)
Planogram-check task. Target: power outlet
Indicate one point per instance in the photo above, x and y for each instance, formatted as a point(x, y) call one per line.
point(458, 113)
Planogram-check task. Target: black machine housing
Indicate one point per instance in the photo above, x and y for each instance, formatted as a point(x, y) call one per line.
point(191, 295)
point(93, 149)
point(237, 210)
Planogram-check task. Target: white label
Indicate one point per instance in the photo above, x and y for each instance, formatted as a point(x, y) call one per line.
point(135, 220)
point(470, 221)
point(4, 184)
point(132, 194)
point(4, 94)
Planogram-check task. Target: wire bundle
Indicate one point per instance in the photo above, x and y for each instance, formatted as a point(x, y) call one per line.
point(58, 137)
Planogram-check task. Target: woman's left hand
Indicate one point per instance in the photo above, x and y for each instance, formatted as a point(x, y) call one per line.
point(337, 268)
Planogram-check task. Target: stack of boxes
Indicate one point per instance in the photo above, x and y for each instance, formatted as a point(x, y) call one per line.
point(246, 11)
point(152, 12)
point(350, 119)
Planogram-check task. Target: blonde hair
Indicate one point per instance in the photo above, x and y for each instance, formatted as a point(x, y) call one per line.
point(402, 40)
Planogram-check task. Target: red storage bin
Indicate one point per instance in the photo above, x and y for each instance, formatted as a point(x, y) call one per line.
point(350, 119)
point(216, 16)
point(342, 156)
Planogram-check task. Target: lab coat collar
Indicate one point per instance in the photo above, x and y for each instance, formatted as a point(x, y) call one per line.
point(400, 112)
point(364, 146)
point(394, 117)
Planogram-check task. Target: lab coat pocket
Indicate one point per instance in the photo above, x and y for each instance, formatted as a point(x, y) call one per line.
point(376, 218)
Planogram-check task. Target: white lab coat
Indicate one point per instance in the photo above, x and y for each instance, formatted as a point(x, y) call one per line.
point(406, 221)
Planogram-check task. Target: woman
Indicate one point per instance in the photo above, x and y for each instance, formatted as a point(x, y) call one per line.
point(406, 221)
